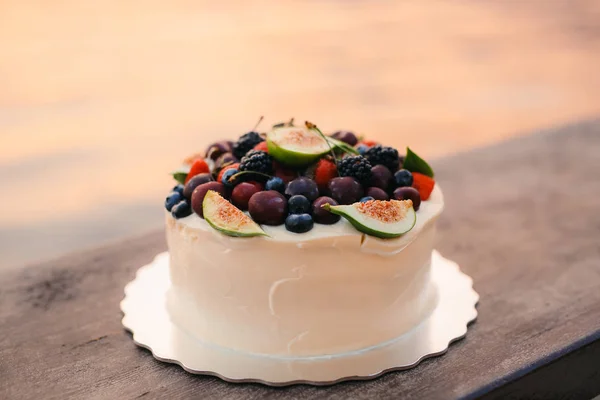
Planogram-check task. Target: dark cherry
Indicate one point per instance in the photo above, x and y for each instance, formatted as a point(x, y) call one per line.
point(195, 182)
point(345, 190)
point(377, 193)
point(215, 150)
point(241, 194)
point(225, 159)
point(408, 193)
point(346, 137)
point(321, 215)
point(268, 208)
point(303, 186)
point(200, 192)
point(381, 177)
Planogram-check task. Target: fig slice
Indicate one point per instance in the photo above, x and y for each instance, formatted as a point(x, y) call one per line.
point(228, 219)
point(379, 218)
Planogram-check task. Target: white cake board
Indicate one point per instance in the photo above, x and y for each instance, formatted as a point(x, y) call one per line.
point(146, 317)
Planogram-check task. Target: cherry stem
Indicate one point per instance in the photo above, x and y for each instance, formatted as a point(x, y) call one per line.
point(258, 123)
point(310, 125)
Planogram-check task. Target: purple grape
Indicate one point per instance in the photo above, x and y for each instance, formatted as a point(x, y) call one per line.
point(194, 183)
point(381, 177)
point(345, 190)
point(224, 159)
point(215, 150)
point(346, 137)
point(408, 193)
point(200, 192)
point(268, 208)
point(321, 215)
point(303, 186)
point(377, 193)
point(242, 193)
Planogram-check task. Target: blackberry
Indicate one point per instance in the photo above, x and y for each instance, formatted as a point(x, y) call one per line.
point(257, 161)
point(357, 167)
point(381, 155)
point(245, 143)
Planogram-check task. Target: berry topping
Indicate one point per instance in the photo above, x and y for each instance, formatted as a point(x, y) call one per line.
point(235, 166)
point(286, 174)
point(424, 184)
point(346, 137)
point(304, 186)
point(320, 214)
point(199, 193)
point(194, 183)
point(368, 143)
point(381, 177)
point(257, 161)
point(241, 194)
point(178, 188)
point(276, 184)
point(224, 160)
point(382, 155)
point(408, 193)
point(377, 193)
point(325, 171)
point(262, 146)
point(298, 204)
point(215, 150)
point(345, 190)
point(269, 207)
point(299, 223)
point(228, 174)
point(181, 209)
point(366, 198)
point(198, 167)
point(357, 167)
point(362, 149)
point(172, 199)
point(245, 143)
point(403, 178)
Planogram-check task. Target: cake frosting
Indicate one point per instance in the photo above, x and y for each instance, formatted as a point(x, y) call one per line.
point(329, 291)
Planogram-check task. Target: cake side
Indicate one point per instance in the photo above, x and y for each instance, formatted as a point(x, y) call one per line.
point(330, 291)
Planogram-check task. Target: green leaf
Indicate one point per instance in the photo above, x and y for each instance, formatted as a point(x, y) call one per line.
point(342, 146)
point(180, 174)
point(414, 163)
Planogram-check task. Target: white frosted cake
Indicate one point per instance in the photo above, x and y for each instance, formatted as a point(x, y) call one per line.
point(281, 274)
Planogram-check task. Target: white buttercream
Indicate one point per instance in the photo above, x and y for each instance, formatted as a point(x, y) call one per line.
point(327, 291)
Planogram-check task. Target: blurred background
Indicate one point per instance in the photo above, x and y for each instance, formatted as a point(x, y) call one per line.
point(100, 100)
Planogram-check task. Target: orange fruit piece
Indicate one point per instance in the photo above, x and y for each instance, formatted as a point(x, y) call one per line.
point(199, 166)
point(423, 184)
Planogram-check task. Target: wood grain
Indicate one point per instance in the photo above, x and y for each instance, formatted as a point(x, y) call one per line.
point(522, 218)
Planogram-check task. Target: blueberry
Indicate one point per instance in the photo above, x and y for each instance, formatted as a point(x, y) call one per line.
point(298, 204)
point(228, 174)
point(362, 149)
point(276, 184)
point(181, 209)
point(172, 199)
point(403, 178)
point(178, 189)
point(299, 223)
point(366, 198)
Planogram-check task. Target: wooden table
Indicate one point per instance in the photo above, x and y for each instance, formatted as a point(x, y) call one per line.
point(522, 218)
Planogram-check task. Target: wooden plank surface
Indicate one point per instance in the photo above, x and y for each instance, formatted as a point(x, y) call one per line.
point(522, 218)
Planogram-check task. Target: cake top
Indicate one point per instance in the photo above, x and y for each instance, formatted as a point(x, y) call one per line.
point(296, 176)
